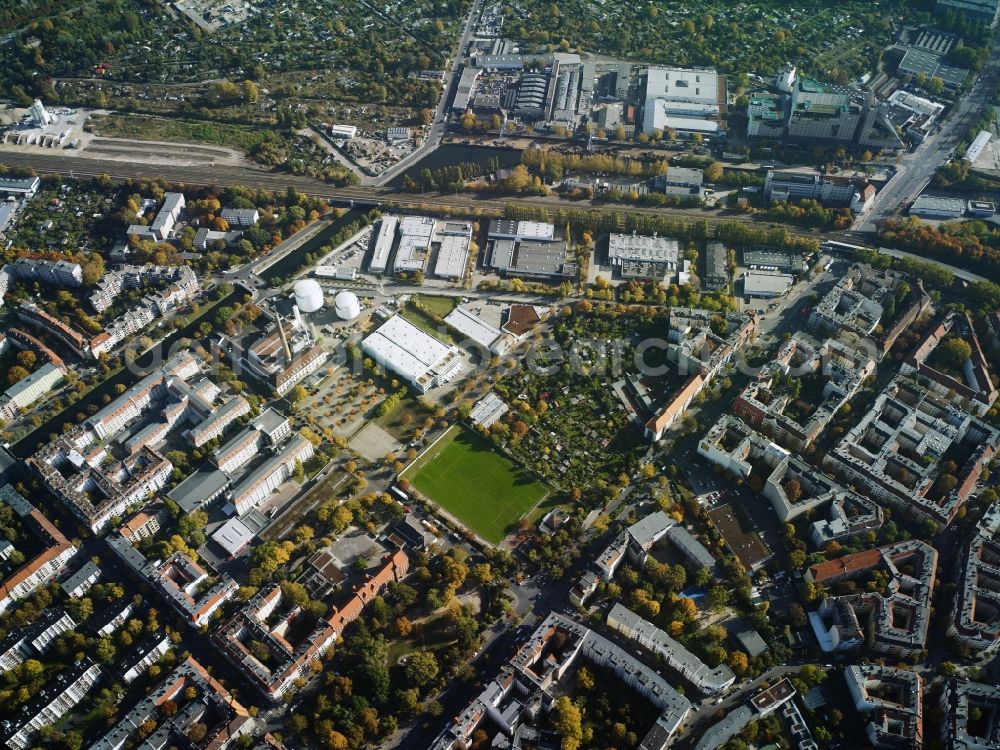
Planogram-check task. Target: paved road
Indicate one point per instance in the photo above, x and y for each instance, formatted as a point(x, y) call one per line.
point(917, 168)
point(958, 272)
point(247, 271)
point(439, 125)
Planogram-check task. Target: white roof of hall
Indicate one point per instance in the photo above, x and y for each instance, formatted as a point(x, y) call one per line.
point(696, 85)
point(420, 226)
point(642, 247)
point(404, 348)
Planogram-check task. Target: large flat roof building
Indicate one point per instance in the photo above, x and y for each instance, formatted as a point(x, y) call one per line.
point(164, 222)
point(22, 186)
point(937, 207)
point(544, 260)
point(716, 266)
point(687, 101)
point(475, 328)
point(641, 256)
point(766, 284)
point(507, 229)
point(382, 243)
point(465, 88)
point(454, 238)
point(418, 357)
point(984, 11)
point(415, 237)
point(488, 410)
point(528, 248)
point(976, 147)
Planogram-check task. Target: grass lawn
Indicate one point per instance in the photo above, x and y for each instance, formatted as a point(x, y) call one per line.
point(427, 324)
point(404, 419)
point(437, 305)
point(481, 488)
point(148, 128)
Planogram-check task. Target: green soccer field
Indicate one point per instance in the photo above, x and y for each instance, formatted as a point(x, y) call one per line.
point(481, 488)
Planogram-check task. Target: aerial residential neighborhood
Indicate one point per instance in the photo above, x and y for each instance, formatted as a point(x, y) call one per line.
point(499, 374)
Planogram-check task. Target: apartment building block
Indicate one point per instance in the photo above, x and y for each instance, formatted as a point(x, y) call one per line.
point(48, 706)
point(255, 487)
point(744, 453)
point(28, 390)
point(892, 702)
point(257, 622)
point(39, 570)
point(35, 639)
point(975, 620)
point(149, 651)
point(961, 702)
point(893, 621)
point(699, 354)
point(706, 679)
point(145, 522)
point(772, 404)
point(55, 273)
point(226, 719)
point(895, 454)
point(80, 582)
point(182, 582)
point(519, 692)
point(973, 388)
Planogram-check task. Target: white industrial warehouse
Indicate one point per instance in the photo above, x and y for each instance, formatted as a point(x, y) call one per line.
point(382, 246)
point(418, 357)
point(420, 237)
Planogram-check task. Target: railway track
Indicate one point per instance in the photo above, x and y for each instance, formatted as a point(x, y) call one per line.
point(231, 176)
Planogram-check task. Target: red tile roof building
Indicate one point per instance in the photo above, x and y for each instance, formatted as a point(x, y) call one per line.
point(44, 566)
point(296, 660)
point(893, 620)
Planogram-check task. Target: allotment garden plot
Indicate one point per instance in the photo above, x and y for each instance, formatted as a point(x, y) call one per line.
point(566, 421)
point(480, 487)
